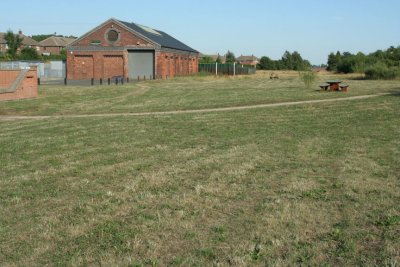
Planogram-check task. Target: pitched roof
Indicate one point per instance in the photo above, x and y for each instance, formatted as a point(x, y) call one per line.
point(159, 37)
point(57, 41)
point(26, 40)
point(247, 58)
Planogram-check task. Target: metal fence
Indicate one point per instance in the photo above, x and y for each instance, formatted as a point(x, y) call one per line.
point(226, 69)
point(50, 69)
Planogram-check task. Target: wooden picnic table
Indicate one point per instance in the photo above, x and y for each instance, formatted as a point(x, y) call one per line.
point(334, 84)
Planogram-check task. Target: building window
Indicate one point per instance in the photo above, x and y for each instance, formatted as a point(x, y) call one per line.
point(112, 35)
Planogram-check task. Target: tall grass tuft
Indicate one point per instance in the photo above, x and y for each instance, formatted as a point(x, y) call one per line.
point(308, 77)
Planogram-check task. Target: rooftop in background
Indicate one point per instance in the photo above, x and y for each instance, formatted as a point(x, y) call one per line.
point(248, 58)
point(26, 40)
point(57, 41)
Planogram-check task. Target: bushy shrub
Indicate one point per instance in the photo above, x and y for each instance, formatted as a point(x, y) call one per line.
point(308, 77)
point(380, 71)
point(29, 53)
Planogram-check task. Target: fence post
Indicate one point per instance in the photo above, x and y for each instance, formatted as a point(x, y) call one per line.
point(92, 81)
point(216, 69)
point(101, 81)
point(65, 81)
point(234, 68)
point(38, 81)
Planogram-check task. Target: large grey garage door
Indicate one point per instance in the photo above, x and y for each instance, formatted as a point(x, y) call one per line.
point(141, 64)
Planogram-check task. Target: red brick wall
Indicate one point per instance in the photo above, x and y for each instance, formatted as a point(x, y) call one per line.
point(106, 64)
point(27, 89)
point(84, 65)
point(126, 37)
point(174, 64)
point(113, 65)
point(53, 50)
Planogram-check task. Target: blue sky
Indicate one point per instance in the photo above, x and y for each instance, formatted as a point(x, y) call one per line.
point(314, 28)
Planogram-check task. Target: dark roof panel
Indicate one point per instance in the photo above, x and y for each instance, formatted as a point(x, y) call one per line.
point(159, 37)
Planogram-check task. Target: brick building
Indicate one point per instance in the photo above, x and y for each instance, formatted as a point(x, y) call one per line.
point(248, 60)
point(118, 48)
point(54, 44)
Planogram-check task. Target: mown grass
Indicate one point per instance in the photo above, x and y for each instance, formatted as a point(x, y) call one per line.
point(301, 185)
point(184, 94)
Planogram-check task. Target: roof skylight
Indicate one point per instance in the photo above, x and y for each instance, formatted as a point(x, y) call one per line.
point(150, 30)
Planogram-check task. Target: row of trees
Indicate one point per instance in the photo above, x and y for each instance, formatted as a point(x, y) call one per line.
point(229, 59)
point(289, 61)
point(382, 64)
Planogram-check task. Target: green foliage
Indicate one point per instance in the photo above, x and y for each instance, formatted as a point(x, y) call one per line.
point(380, 71)
point(266, 64)
point(377, 65)
point(4, 56)
point(308, 77)
point(218, 60)
point(294, 61)
point(41, 37)
point(61, 56)
point(333, 60)
point(13, 42)
point(230, 57)
point(205, 60)
point(29, 53)
point(289, 61)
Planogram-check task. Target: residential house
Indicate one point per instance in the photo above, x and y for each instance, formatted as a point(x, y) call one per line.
point(248, 60)
point(54, 45)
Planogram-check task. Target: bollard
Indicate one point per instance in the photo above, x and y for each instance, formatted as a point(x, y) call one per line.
point(92, 81)
point(122, 80)
point(144, 77)
point(127, 79)
point(38, 81)
point(116, 81)
point(138, 78)
point(65, 81)
point(101, 81)
point(109, 81)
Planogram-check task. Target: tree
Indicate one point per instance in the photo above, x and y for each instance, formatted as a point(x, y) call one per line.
point(230, 57)
point(205, 60)
point(287, 60)
point(333, 61)
point(266, 64)
point(29, 53)
point(218, 60)
point(13, 42)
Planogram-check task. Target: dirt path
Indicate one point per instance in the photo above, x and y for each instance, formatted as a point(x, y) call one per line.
point(173, 112)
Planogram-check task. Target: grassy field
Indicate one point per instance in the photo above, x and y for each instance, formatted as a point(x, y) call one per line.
point(299, 185)
point(185, 93)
